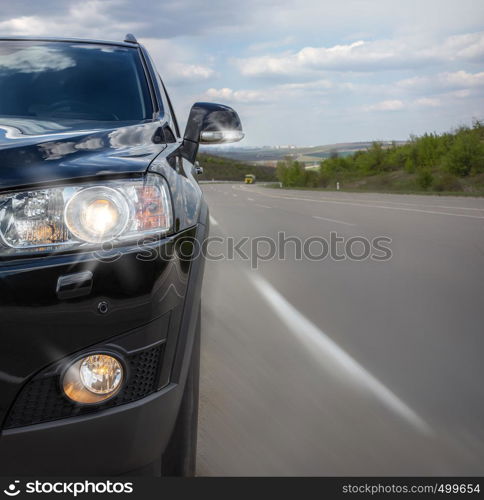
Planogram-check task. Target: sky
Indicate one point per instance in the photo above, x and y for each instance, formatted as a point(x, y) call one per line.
point(305, 72)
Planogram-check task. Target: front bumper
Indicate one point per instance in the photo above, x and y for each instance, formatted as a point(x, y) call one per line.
point(113, 442)
point(163, 300)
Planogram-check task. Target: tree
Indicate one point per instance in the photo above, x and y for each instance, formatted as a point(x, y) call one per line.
point(466, 155)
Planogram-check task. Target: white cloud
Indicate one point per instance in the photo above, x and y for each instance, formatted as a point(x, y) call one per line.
point(272, 44)
point(25, 26)
point(312, 85)
point(176, 63)
point(467, 46)
point(35, 60)
point(447, 80)
point(391, 105)
point(245, 96)
point(461, 79)
point(191, 71)
point(431, 102)
point(90, 19)
point(364, 56)
point(271, 94)
point(460, 94)
point(95, 19)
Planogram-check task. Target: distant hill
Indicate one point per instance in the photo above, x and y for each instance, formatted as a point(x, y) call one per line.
point(227, 169)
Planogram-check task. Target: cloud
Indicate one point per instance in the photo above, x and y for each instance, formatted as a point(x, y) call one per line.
point(447, 80)
point(243, 96)
point(312, 85)
point(442, 87)
point(99, 19)
point(306, 59)
point(462, 79)
point(271, 94)
point(271, 44)
point(35, 60)
point(92, 18)
point(177, 63)
point(188, 72)
point(431, 102)
point(391, 105)
point(113, 18)
point(467, 46)
point(263, 20)
point(364, 56)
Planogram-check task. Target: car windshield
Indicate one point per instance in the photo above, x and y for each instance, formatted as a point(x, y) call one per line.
point(83, 81)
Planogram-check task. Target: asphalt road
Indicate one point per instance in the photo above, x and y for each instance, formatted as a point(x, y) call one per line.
point(341, 366)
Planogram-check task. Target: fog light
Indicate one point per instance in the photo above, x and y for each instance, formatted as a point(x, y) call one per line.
point(93, 379)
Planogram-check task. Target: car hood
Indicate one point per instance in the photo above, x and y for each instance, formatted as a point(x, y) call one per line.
point(41, 151)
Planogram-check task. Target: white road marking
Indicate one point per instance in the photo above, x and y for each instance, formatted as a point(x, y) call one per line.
point(326, 350)
point(250, 199)
point(403, 209)
point(416, 204)
point(234, 195)
point(450, 207)
point(213, 222)
point(333, 220)
point(262, 206)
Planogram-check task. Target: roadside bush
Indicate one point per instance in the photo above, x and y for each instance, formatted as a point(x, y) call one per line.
point(226, 169)
point(311, 178)
point(411, 161)
point(425, 178)
point(447, 182)
point(291, 174)
point(324, 179)
point(395, 159)
point(427, 150)
point(466, 155)
point(372, 162)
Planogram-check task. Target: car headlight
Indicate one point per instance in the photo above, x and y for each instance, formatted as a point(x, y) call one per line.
point(97, 214)
point(84, 214)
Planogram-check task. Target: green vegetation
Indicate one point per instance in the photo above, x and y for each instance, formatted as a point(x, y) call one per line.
point(451, 162)
point(225, 169)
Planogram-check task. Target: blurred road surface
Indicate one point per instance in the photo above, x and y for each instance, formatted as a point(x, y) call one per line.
point(344, 367)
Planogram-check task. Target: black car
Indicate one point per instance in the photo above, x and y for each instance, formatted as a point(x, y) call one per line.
point(102, 224)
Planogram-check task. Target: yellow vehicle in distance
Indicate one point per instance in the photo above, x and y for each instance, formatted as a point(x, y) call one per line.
point(249, 179)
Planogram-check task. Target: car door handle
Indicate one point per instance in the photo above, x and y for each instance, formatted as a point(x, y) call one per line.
point(74, 285)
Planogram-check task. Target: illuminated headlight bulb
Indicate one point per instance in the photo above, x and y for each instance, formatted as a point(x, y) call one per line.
point(93, 379)
point(100, 216)
point(97, 214)
point(101, 374)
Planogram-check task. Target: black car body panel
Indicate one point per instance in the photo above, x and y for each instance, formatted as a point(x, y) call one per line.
point(40, 151)
point(48, 329)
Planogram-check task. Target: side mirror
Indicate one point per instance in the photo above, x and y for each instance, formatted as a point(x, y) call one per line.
point(210, 123)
